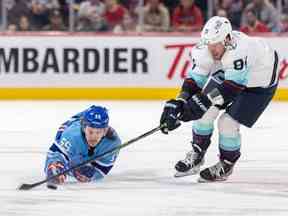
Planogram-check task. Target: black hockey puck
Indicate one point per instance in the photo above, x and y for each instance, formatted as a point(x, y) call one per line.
point(52, 186)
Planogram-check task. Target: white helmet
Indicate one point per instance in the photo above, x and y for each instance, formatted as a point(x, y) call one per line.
point(216, 30)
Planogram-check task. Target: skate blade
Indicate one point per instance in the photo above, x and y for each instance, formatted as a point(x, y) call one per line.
point(188, 173)
point(202, 180)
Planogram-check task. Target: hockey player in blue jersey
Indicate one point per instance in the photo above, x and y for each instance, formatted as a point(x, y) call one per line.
point(85, 135)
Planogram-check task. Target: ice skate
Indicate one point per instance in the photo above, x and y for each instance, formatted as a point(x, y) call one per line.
point(190, 165)
point(218, 172)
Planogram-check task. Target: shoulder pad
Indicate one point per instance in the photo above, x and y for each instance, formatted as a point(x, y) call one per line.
point(111, 134)
point(201, 58)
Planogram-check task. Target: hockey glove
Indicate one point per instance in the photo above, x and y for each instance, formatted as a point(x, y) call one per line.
point(172, 109)
point(195, 107)
point(84, 173)
point(54, 169)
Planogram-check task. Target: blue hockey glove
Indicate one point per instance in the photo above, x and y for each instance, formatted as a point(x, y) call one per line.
point(54, 169)
point(172, 109)
point(84, 173)
point(195, 107)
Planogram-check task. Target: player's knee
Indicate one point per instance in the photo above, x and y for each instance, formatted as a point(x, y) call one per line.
point(205, 125)
point(210, 115)
point(228, 126)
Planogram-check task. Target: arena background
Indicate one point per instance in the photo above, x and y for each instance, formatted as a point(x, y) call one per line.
point(41, 60)
point(93, 66)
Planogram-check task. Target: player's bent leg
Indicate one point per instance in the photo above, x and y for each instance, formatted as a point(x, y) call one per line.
point(229, 147)
point(202, 131)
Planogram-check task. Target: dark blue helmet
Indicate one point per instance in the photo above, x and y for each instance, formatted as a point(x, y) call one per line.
point(95, 117)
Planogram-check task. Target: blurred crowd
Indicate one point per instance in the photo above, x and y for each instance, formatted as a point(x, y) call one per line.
point(143, 15)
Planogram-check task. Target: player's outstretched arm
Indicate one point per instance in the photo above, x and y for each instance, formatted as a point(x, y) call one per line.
point(174, 108)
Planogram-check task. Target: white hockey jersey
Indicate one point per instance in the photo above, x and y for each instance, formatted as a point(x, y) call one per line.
point(250, 62)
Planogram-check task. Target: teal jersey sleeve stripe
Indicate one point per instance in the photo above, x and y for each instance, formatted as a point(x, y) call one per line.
point(198, 78)
point(238, 76)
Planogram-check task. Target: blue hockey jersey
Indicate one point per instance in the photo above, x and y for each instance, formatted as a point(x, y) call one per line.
point(70, 148)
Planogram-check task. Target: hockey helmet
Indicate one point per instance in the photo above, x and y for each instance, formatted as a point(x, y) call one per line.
point(216, 30)
point(95, 117)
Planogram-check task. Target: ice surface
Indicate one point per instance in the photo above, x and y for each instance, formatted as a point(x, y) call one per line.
point(142, 182)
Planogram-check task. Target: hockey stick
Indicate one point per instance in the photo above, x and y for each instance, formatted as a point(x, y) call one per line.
point(30, 186)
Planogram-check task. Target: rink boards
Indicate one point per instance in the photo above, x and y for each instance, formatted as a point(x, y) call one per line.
point(90, 66)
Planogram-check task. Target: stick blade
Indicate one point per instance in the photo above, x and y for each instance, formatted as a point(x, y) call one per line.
point(25, 187)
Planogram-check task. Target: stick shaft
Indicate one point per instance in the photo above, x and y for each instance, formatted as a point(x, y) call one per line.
point(30, 186)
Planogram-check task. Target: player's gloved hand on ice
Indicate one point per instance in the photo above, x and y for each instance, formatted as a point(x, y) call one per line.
point(195, 107)
point(172, 109)
point(54, 169)
point(84, 173)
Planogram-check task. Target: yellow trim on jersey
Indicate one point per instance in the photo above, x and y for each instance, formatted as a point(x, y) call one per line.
point(100, 93)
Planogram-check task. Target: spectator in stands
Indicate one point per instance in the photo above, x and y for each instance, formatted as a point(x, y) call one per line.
point(40, 14)
point(1, 14)
point(56, 21)
point(91, 16)
point(284, 17)
point(91, 25)
point(114, 14)
point(253, 24)
point(90, 8)
point(64, 9)
point(9, 3)
point(128, 25)
point(24, 24)
point(17, 9)
point(130, 4)
point(222, 13)
point(266, 13)
point(156, 17)
point(201, 4)
point(171, 4)
point(12, 28)
point(285, 6)
point(187, 17)
point(284, 23)
point(77, 1)
point(233, 10)
point(49, 4)
point(133, 7)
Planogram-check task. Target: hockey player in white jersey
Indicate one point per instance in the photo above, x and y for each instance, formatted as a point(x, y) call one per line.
point(231, 72)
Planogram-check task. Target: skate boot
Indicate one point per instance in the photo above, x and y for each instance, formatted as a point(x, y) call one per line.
point(218, 172)
point(191, 164)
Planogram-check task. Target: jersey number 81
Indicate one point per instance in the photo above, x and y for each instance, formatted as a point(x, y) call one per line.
point(240, 63)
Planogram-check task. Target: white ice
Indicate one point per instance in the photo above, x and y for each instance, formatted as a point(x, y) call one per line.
point(142, 182)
